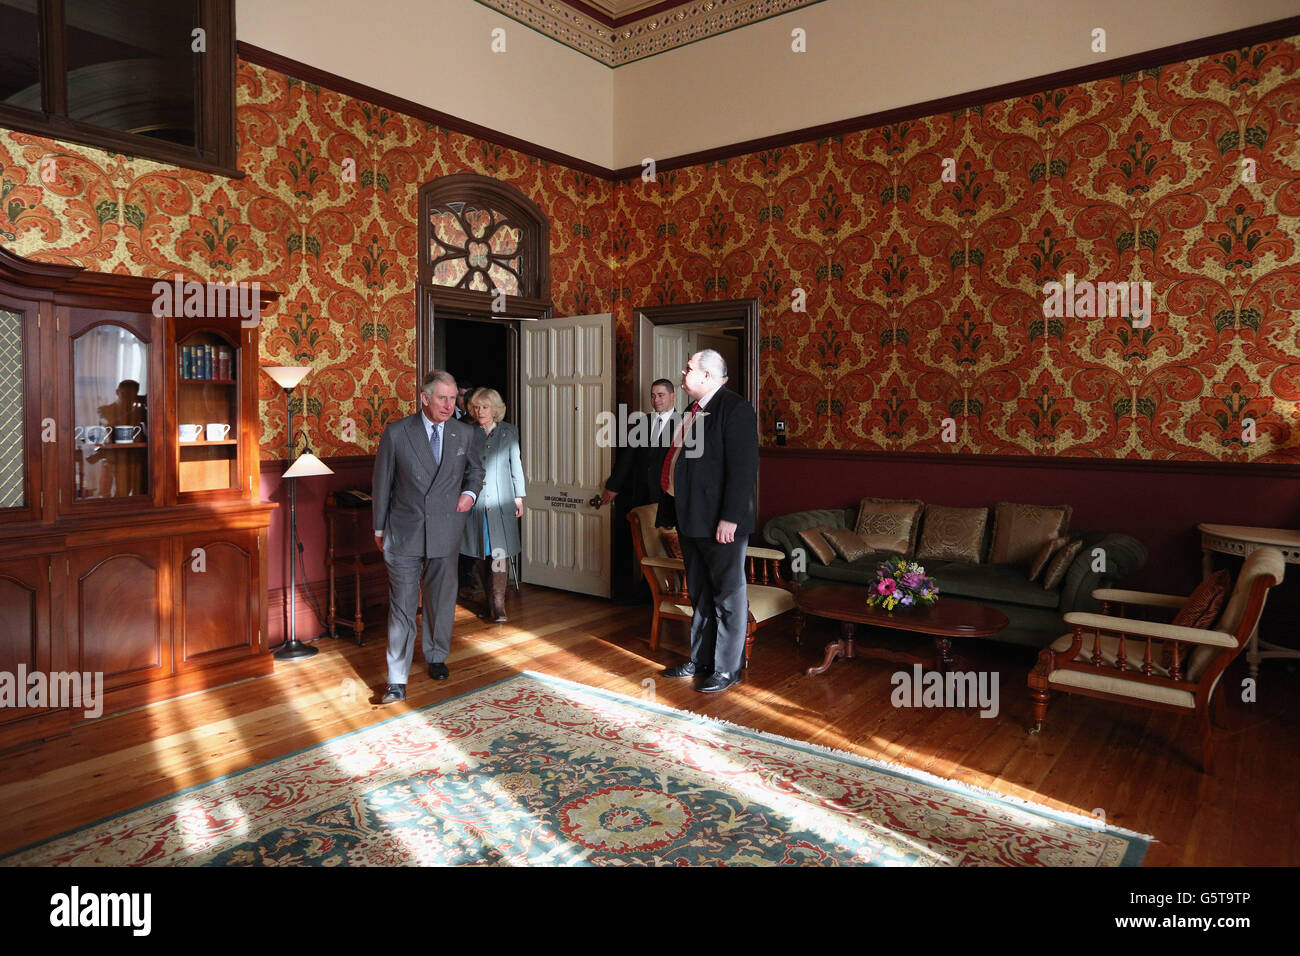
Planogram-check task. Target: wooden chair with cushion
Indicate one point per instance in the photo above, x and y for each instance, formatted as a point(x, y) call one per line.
point(1161, 666)
point(769, 595)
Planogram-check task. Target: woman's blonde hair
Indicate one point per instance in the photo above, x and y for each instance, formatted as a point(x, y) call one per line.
point(489, 397)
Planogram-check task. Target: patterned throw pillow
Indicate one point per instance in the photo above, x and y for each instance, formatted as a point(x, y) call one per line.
point(1044, 555)
point(849, 546)
point(672, 544)
point(1060, 563)
point(817, 544)
point(885, 543)
point(897, 518)
point(952, 534)
point(1204, 604)
point(1019, 531)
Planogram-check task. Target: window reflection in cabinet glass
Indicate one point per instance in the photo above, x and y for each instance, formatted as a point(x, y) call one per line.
point(110, 401)
point(11, 400)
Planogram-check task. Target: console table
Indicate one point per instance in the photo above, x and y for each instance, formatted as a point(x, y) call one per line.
point(1240, 541)
point(350, 553)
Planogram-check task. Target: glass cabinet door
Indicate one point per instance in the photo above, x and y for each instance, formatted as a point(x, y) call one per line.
point(13, 446)
point(207, 409)
point(110, 394)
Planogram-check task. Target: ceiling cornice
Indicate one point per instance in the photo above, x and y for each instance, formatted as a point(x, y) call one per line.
point(617, 40)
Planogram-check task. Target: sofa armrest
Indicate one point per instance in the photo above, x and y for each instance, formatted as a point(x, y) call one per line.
point(1102, 561)
point(671, 564)
point(784, 531)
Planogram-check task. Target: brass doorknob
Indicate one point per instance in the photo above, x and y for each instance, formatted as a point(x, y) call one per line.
point(595, 501)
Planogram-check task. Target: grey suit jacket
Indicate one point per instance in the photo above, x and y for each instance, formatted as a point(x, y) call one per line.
point(414, 501)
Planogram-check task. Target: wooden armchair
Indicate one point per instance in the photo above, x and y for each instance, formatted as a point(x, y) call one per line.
point(769, 594)
point(1151, 664)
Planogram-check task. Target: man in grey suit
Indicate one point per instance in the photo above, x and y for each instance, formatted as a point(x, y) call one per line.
point(428, 473)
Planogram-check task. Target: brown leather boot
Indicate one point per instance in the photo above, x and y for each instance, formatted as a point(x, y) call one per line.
point(499, 582)
point(485, 577)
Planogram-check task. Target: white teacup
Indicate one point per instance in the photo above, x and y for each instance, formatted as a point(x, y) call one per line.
point(191, 432)
point(218, 432)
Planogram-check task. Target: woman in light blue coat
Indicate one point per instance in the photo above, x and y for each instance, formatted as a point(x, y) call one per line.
point(492, 531)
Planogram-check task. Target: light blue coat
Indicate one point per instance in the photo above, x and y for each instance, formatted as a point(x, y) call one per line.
point(503, 482)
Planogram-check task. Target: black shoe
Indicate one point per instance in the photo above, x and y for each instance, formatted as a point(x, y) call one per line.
point(719, 680)
point(439, 671)
point(689, 669)
point(394, 693)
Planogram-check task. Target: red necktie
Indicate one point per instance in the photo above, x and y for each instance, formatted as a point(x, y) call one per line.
point(666, 476)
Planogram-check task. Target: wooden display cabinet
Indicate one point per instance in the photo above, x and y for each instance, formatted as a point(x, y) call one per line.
point(124, 551)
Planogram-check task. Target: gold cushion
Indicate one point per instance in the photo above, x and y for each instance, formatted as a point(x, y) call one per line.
point(767, 602)
point(1060, 563)
point(896, 518)
point(1044, 555)
point(952, 534)
point(847, 544)
point(885, 543)
point(817, 544)
point(672, 544)
point(1020, 531)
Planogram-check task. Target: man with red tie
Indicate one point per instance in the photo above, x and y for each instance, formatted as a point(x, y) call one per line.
point(708, 482)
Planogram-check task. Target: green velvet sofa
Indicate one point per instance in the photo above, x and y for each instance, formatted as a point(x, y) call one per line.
point(1034, 614)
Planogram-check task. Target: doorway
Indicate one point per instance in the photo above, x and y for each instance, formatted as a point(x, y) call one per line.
point(665, 337)
point(668, 335)
point(478, 354)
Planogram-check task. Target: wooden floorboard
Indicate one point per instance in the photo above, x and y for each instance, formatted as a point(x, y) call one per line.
point(1139, 767)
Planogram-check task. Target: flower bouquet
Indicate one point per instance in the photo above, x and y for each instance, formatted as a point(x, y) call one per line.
point(901, 583)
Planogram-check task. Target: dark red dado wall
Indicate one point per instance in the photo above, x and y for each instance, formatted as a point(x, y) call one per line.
point(348, 473)
point(1158, 503)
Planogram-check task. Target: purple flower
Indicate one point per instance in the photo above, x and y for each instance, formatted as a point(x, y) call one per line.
point(905, 600)
point(912, 580)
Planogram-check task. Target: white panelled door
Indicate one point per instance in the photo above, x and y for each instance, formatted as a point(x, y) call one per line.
point(567, 372)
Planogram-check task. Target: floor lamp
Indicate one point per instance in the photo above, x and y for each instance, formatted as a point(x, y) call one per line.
point(305, 465)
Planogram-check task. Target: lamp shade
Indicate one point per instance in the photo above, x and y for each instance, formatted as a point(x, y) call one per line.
point(308, 465)
point(287, 376)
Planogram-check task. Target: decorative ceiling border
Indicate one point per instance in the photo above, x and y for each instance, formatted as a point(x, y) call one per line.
point(636, 38)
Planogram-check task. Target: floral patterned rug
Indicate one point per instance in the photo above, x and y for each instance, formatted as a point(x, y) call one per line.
point(534, 770)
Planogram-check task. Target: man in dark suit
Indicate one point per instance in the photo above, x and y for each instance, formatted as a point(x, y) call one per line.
point(635, 481)
point(428, 473)
point(708, 479)
point(636, 473)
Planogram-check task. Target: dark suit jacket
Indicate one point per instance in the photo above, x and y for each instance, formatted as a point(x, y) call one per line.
point(414, 500)
point(637, 471)
point(718, 485)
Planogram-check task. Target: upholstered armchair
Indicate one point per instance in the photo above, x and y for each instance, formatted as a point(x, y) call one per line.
point(769, 595)
point(1149, 664)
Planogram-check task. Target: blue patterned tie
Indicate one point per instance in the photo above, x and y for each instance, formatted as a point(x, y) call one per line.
point(435, 441)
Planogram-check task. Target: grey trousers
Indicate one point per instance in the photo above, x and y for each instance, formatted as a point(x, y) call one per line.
point(408, 577)
point(715, 580)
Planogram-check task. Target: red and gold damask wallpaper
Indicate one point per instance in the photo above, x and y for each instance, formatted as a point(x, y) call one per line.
point(923, 291)
point(924, 298)
point(338, 240)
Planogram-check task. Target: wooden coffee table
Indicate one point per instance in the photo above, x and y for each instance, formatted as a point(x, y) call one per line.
point(942, 621)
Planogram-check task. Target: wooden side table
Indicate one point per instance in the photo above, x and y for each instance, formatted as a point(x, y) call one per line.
point(358, 521)
point(1240, 540)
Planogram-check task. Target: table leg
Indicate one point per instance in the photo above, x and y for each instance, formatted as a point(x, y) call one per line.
point(798, 626)
point(1207, 562)
point(329, 560)
point(943, 653)
point(835, 650)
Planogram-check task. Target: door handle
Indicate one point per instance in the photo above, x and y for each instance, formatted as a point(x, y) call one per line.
point(595, 501)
